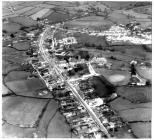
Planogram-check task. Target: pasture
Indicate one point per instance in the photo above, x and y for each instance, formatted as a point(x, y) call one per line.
point(24, 21)
point(40, 14)
point(90, 22)
point(57, 17)
point(26, 85)
point(11, 27)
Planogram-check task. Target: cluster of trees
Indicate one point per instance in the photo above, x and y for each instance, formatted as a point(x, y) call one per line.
point(99, 12)
point(79, 69)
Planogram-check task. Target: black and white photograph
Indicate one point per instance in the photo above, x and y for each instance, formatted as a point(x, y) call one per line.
point(76, 69)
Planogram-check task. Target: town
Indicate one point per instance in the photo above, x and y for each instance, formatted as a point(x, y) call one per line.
point(69, 76)
point(86, 71)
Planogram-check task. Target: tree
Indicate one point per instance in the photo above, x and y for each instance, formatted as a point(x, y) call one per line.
point(133, 70)
point(106, 14)
point(114, 58)
point(4, 31)
point(87, 57)
point(12, 35)
point(99, 47)
point(55, 9)
point(148, 83)
point(38, 19)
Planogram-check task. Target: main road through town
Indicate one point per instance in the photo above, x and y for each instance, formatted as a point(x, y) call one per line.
point(53, 65)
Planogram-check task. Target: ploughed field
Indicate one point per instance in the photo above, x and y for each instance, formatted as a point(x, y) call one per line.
point(29, 109)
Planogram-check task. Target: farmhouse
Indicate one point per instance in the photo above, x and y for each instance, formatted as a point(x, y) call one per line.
point(67, 41)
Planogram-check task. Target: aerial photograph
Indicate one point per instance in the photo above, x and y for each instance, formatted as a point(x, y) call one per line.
point(77, 69)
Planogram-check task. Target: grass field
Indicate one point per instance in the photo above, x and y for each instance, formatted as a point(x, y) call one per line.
point(33, 11)
point(135, 93)
point(134, 14)
point(117, 5)
point(133, 50)
point(11, 27)
point(123, 56)
point(143, 10)
point(22, 10)
point(7, 67)
point(91, 22)
point(118, 18)
point(143, 19)
point(16, 75)
point(22, 45)
point(26, 85)
point(57, 17)
point(40, 14)
point(24, 21)
point(15, 59)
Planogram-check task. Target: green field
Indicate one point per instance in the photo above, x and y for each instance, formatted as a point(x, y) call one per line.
point(26, 85)
point(57, 17)
point(143, 10)
point(16, 75)
point(91, 22)
point(118, 18)
point(11, 27)
point(25, 45)
point(24, 21)
point(136, 94)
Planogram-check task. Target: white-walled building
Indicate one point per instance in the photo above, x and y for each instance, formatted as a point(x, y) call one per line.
point(67, 41)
